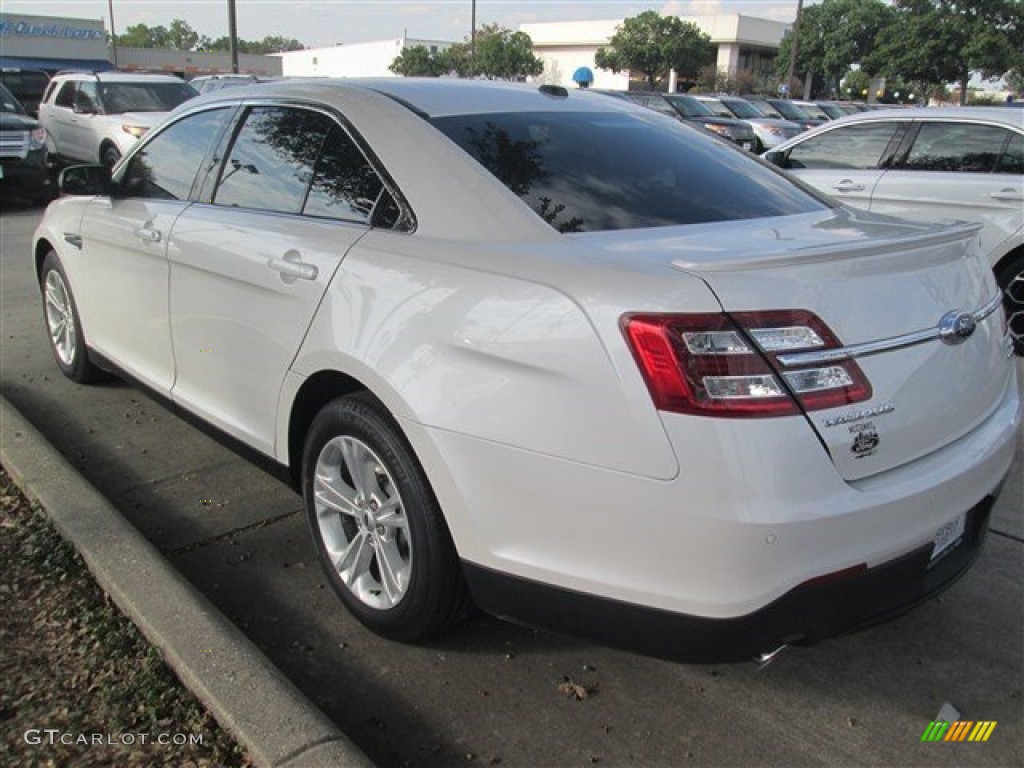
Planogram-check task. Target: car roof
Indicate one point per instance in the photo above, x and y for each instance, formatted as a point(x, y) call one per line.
point(433, 97)
point(119, 77)
point(1008, 117)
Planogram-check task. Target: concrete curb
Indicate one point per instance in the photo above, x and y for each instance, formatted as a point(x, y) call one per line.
point(247, 694)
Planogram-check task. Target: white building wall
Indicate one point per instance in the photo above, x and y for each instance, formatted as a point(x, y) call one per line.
point(564, 46)
point(351, 60)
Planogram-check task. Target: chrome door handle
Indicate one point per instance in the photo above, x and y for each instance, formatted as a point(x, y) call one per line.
point(848, 186)
point(292, 266)
point(148, 234)
point(1009, 194)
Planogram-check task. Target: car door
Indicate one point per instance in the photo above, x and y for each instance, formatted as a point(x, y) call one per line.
point(251, 266)
point(959, 170)
point(846, 162)
point(59, 118)
point(125, 240)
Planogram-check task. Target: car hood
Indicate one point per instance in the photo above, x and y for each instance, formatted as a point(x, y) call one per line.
point(9, 121)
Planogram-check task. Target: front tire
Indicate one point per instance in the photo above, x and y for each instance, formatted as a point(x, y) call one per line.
point(63, 326)
point(1011, 283)
point(378, 530)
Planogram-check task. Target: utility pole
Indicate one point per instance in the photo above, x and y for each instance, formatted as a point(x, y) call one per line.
point(793, 49)
point(113, 34)
point(472, 42)
point(233, 36)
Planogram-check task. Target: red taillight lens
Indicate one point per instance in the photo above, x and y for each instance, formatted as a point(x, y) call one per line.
point(727, 365)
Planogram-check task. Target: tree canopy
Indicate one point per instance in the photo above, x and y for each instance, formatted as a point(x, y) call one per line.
point(835, 35)
point(652, 44)
point(501, 54)
point(180, 36)
point(939, 41)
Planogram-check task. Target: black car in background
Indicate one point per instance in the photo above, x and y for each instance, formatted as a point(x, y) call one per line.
point(23, 165)
point(26, 85)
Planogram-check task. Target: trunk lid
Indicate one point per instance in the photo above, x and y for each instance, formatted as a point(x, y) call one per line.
point(873, 281)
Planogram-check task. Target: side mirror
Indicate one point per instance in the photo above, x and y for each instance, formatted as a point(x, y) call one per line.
point(85, 180)
point(775, 158)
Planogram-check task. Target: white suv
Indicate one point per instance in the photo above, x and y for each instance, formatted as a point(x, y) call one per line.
point(97, 117)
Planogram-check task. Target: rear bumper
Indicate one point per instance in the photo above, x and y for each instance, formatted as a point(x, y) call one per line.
point(807, 614)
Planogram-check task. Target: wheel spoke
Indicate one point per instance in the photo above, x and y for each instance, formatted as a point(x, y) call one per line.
point(358, 460)
point(390, 516)
point(335, 495)
point(355, 560)
point(54, 300)
point(392, 570)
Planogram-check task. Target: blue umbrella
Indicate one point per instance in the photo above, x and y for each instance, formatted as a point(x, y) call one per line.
point(583, 76)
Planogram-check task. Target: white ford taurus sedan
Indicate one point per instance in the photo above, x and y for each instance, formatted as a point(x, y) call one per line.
point(553, 353)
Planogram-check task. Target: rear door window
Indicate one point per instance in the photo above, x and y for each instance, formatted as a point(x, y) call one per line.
point(1012, 159)
point(66, 95)
point(963, 147)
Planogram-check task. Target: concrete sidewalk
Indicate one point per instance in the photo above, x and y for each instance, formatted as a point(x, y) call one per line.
point(247, 694)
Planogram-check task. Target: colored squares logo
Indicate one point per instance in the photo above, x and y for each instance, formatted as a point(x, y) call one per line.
point(961, 730)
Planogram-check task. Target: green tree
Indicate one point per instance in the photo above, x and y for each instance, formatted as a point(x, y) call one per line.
point(142, 36)
point(181, 36)
point(652, 45)
point(274, 44)
point(502, 54)
point(940, 41)
point(833, 36)
point(856, 85)
point(417, 61)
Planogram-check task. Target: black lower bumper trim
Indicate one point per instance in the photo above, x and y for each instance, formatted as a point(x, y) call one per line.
point(807, 614)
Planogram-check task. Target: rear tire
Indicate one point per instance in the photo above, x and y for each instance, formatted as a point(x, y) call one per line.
point(64, 329)
point(1011, 283)
point(378, 529)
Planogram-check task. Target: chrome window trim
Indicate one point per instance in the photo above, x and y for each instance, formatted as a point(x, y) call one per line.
point(884, 345)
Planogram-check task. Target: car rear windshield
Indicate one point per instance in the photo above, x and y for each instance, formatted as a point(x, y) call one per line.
point(582, 171)
point(144, 97)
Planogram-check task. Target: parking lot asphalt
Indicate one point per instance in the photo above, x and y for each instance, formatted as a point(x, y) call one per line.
point(492, 693)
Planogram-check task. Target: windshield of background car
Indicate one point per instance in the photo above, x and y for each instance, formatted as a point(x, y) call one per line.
point(144, 97)
point(690, 107)
point(814, 111)
point(717, 108)
point(790, 111)
point(743, 109)
point(8, 103)
point(767, 110)
point(584, 171)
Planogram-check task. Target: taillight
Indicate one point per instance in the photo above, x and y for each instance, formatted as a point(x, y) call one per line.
point(727, 365)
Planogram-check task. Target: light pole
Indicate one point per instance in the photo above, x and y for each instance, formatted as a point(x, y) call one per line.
point(793, 49)
point(113, 34)
point(472, 41)
point(233, 36)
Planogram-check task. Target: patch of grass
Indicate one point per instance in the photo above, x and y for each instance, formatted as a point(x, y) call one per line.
point(79, 685)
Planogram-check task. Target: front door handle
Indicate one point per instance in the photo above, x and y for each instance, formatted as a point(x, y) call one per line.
point(293, 268)
point(1009, 194)
point(846, 185)
point(148, 234)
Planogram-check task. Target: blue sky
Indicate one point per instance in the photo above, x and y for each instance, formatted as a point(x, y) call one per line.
point(326, 22)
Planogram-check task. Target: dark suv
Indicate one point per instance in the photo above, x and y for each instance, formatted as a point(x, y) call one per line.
point(23, 166)
point(27, 86)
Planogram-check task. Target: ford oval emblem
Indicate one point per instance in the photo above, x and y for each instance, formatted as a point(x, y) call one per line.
point(956, 327)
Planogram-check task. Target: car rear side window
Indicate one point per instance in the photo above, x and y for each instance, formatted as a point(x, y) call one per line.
point(345, 186)
point(582, 171)
point(271, 163)
point(964, 147)
point(165, 167)
point(853, 147)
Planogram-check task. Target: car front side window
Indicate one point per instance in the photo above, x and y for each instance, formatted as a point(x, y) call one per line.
point(165, 167)
point(852, 147)
point(66, 95)
point(271, 163)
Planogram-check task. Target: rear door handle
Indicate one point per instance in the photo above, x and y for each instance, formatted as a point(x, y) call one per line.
point(1008, 194)
point(293, 268)
point(846, 185)
point(148, 234)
